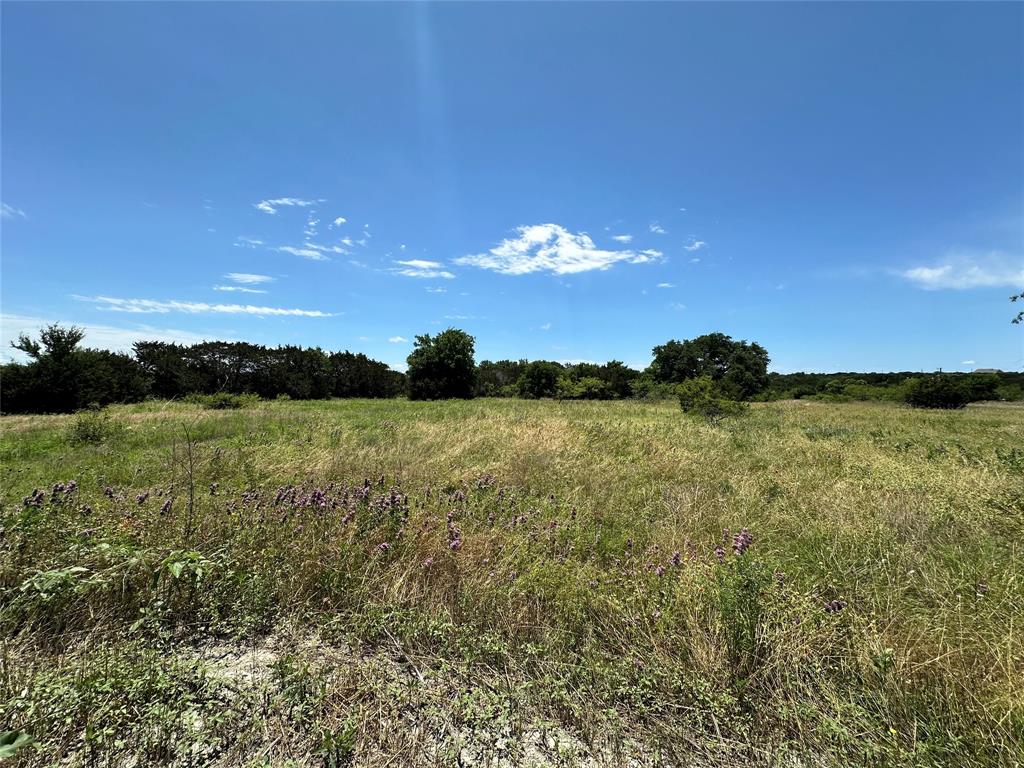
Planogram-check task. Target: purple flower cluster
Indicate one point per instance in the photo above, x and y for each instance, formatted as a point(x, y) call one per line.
point(141, 498)
point(741, 541)
point(35, 499)
point(834, 606)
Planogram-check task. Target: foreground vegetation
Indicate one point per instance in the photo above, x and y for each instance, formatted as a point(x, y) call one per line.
point(512, 582)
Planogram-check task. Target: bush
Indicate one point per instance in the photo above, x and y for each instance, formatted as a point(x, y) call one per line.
point(224, 401)
point(93, 427)
point(701, 396)
point(937, 392)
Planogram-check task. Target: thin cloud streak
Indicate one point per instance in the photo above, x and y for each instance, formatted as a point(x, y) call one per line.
point(153, 306)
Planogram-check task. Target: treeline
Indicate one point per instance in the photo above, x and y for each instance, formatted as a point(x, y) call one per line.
point(63, 376)
point(896, 387)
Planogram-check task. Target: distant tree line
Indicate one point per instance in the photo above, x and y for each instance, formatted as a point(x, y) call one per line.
point(63, 376)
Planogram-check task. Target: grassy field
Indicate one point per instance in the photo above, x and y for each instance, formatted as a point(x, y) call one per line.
point(501, 582)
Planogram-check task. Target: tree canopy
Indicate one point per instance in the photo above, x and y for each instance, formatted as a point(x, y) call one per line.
point(442, 367)
point(739, 368)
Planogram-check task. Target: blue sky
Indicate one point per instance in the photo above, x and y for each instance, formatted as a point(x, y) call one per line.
point(843, 183)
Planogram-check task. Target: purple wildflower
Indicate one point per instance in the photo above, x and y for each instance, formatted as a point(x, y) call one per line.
point(166, 506)
point(676, 559)
point(141, 498)
point(741, 541)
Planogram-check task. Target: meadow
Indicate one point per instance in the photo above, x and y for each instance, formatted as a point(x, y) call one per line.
point(512, 582)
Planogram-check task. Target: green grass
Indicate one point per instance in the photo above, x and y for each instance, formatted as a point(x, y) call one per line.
point(562, 629)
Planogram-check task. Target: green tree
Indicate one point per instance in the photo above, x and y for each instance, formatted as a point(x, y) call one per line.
point(442, 367)
point(540, 379)
point(740, 368)
point(937, 392)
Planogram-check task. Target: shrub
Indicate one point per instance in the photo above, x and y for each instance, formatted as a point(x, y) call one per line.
point(224, 401)
point(93, 427)
point(701, 396)
point(937, 392)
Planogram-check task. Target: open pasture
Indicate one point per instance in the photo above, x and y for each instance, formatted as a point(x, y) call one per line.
point(508, 582)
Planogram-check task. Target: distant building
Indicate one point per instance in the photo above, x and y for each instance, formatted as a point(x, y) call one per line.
point(987, 370)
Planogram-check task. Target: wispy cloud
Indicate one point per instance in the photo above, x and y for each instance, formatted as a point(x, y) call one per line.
point(247, 278)
point(961, 271)
point(311, 224)
point(966, 362)
point(337, 222)
point(546, 327)
point(436, 289)
point(624, 239)
point(695, 245)
point(552, 248)
point(153, 306)
point(248, 242)
point(10, 212)
point(238, 289)
point(398, 340)
point(677, 306)
point(306, 251)
point(421, 268)
point(271, 206)
point(695, 260)
point(98, 336)
point(656, 228)
point(665, 285)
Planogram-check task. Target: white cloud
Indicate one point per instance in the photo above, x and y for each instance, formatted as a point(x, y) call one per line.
point(398, 340)
point(656, 228)
point(247, 242)
point(695, 245)
point(552, 248)
point(546, 327)
point(421, 268)
point(677, 306)
point(313, 254)
point(436, 289)
point(153, 306)
point(247, 278)
point(337, 222)
point(665, 285)
point(271, 206)
point(311, 225)
point(625, 239)
point(695, 260)
point(10, 212)
point(961, 271)
point(967, 362)
point(96, 335)
point(238, 289)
